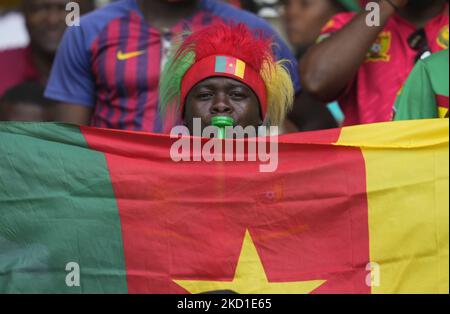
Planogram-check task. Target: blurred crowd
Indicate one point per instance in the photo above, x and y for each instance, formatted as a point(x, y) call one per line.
point(345, 72)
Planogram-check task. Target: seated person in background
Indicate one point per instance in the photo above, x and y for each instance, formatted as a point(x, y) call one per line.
point(425, 94)
point(364, 66)
point(25, 102)
point(226, 71)
point(45, 22)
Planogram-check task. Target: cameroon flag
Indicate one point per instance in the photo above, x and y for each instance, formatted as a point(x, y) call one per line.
point(362, 209)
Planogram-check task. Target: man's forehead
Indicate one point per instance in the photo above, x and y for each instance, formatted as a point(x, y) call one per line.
point(222, 81)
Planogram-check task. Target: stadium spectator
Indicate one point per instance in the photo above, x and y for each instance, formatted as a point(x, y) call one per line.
point(363, 66)
point(304, 20)
point(45, 22)
point(425, 94)
point(107, 71)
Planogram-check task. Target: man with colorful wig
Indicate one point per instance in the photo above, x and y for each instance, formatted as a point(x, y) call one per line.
point(226, 71)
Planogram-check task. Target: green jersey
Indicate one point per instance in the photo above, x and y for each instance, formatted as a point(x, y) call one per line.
point(425, 93)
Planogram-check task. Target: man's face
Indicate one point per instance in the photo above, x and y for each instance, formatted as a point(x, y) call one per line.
point(305, 18)
point(221, 96)
point(46, 21)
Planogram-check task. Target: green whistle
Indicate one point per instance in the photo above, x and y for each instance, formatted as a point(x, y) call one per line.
point(221, 123)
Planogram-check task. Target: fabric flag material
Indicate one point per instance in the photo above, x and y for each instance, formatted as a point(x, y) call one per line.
point(355, 210)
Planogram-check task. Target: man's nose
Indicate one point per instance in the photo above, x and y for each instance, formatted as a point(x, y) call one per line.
point(221, 105)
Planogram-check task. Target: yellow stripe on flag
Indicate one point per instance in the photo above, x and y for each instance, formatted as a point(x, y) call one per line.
point(442, 111)
point(240, 68)
point(407, 169)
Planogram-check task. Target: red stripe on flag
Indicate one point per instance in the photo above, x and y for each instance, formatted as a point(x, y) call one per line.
point(442, 101)
point(187, 220)
point(308, 220)
point(330, 136)
point(230, 66)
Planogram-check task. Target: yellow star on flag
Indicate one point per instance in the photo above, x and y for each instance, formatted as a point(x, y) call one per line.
point(250, 278)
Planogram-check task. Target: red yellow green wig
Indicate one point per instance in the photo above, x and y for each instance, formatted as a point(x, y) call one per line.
point(223, 50)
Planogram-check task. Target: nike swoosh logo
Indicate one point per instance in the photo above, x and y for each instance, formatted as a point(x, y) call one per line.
point(129, 55)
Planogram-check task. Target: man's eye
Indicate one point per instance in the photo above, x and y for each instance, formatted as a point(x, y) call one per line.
point(238, 95)
point(204, 96)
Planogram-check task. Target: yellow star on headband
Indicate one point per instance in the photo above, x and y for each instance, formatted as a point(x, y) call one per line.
point(250, 278)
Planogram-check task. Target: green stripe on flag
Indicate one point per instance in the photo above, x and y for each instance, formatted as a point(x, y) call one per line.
point(221, 64)
point(57, 207)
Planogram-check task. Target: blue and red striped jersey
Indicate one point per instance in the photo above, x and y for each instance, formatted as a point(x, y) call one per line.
point(112, 61)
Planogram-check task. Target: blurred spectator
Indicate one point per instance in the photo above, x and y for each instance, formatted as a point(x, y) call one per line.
point(107, 71)
point(425, 94)
point(25, 102)
point(364, 66)
point(304, 20)
point(45, 22)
